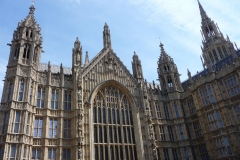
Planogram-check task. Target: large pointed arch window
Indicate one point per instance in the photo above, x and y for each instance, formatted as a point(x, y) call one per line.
point(113, 126)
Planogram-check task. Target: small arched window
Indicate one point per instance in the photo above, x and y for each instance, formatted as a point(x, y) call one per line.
point(26, 52)
point(17, 49)
point(27, 33)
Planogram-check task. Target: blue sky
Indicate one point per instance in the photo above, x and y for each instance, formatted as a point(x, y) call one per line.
point(136, 25)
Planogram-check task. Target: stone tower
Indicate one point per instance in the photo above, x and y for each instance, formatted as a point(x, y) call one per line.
point(168, 73)
point(215, 47)
point(20, 81)
point(137, 67)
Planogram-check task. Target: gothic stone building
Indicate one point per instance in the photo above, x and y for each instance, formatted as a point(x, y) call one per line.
point(99, 110)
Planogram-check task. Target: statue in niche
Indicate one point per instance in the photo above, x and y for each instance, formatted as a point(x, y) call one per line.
point(78, 57)
point(139, 70)
point(79, 94)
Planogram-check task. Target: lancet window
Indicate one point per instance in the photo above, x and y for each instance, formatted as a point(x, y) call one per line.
point(40, 98)
point(26, 52)
point(17, 49)
point(113, 126)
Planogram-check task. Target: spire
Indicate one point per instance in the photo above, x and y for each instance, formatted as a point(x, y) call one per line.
point(77, 43)
point(106, 37)
point(162, 49)
point(164, 56)
point(86, 58)
point(202, 11)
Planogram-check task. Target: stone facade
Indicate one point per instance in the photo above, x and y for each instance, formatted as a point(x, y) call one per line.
point(99, 110)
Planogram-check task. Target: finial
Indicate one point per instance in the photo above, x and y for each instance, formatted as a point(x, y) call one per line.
point(86, 58)
point(32, 9)
point(33, 2)
point(49, 66)
point(134, 53)
point(162, 49)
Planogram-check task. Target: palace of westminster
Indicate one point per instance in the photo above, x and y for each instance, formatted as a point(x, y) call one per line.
point(99, 110)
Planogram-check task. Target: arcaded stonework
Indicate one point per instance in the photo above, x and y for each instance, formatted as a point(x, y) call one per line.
point(99, 110)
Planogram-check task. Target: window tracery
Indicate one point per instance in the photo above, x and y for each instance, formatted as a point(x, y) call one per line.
point(113, 125)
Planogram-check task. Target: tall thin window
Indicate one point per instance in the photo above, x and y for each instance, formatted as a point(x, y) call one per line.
point(21, 89)
point(52, 154)
point(215, 55)
point(17, 49)
point(220, 52)
point(26, 52)
point(54, 99)
point(13, 152)
point(158, 109)
point(66, 128)
point(207, 95)
point(113, 124)
point(28, 123)
point(181, 132)
point(211, 57)
point(203, 151)
point(162, 133)
point(10, 92)
point(52, 128)
point(17, 121)
point(30, 97)
point(225, 51)
point(66, 155)
point(237, 111)
point(186, 153)
point(40, 98)
point(166, 155)
point(191, 106)
point(176, 110)
point(197, 129)
point(166, 111)
point(36, 153)
point(5, 122)
point(67, 100)
point(171, 136)
point(175, 155)
point(38, 124)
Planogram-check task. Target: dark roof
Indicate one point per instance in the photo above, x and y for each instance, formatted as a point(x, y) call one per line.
point(217, 67)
